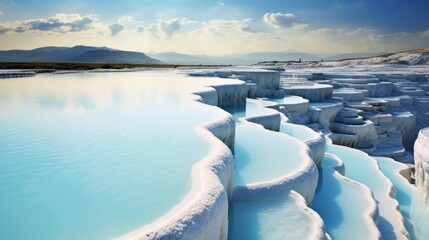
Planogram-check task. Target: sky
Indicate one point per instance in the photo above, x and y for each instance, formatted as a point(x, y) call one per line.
point(223, 27)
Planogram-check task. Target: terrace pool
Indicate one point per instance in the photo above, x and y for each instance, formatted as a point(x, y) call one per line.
point(413, 207)
point(364, 169)
point(96, 155)
point(262, 155)
point(332, 202)
point(252, 108)
point(280, 217)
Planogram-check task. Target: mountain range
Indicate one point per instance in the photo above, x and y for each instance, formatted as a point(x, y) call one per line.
point(251, 58)
point(88, 54)
point(77, 54)
point(233, 59)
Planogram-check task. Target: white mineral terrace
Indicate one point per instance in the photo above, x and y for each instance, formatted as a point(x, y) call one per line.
point(341, 220)
point(421, 157)
point(268, 167)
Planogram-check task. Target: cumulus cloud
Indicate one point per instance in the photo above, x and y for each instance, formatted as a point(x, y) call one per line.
point(220, 4)
point(283, 20)
point(125, 20)
point(424, 34)
point(167, 28)
point(140, 29)
point(19, 29)
point(115, 29)
point(222, 26)
point(4, 29)
point(129, 22)
point(279, 19)
point(299, 26)
point(59, 23)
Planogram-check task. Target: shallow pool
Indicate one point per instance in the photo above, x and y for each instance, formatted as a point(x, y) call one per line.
point(262, 155)
point(95, 155)
point(300, 132)
point(413, 207)
point(252, 108)
point(281, 217)
point(333, 199)
point(289, 100)
point(364, 169)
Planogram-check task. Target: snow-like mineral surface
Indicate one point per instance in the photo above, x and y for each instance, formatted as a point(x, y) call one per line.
point(341, 220)
point(90, 148)
point(421, 157)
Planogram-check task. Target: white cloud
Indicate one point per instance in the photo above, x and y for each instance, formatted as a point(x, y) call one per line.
point(115, 29)
point(1, 12)
point(299, 26)
point(216, 36)
point(4, 29)
point(19, 29)
point(279, 19)
point(220, 4)
point(140, 29)
point(167, 28)
point(284, 20)
point(223, 27)
point(424, 34)
point(130, 23)
point(59, 23)
point(125, 20)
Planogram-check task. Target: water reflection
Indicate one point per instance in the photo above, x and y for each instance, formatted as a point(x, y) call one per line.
point(97, 151)
point(49, 100)
point(84, 101)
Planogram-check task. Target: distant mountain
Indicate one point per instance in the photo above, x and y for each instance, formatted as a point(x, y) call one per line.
point(180, 58)
point(279, 56)
point(114, 56)
point(235, 59)
point(353, 55)
point(77, 54)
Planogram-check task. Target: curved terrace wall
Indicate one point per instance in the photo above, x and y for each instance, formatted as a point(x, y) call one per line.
point(421, 159)
point(315, 141)
point(303, 180)
point(203, 213)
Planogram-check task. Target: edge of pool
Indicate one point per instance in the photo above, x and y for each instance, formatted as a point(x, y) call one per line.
point(203, 212)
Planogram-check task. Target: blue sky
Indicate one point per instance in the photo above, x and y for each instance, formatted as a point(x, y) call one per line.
point(218, 27)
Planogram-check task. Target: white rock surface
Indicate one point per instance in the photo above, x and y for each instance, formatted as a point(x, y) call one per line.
point(421, 159)
point(303, 180)
point(314, 93)
point(391, 223)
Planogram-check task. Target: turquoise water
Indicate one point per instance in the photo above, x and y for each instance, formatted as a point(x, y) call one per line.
point(269, 218)
point(93, 156)
point(300, 132)
point(342, 204)
point(263, 155)
point(356, 163)
point(364, 169)
point(252, 108)
point(413, 207)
